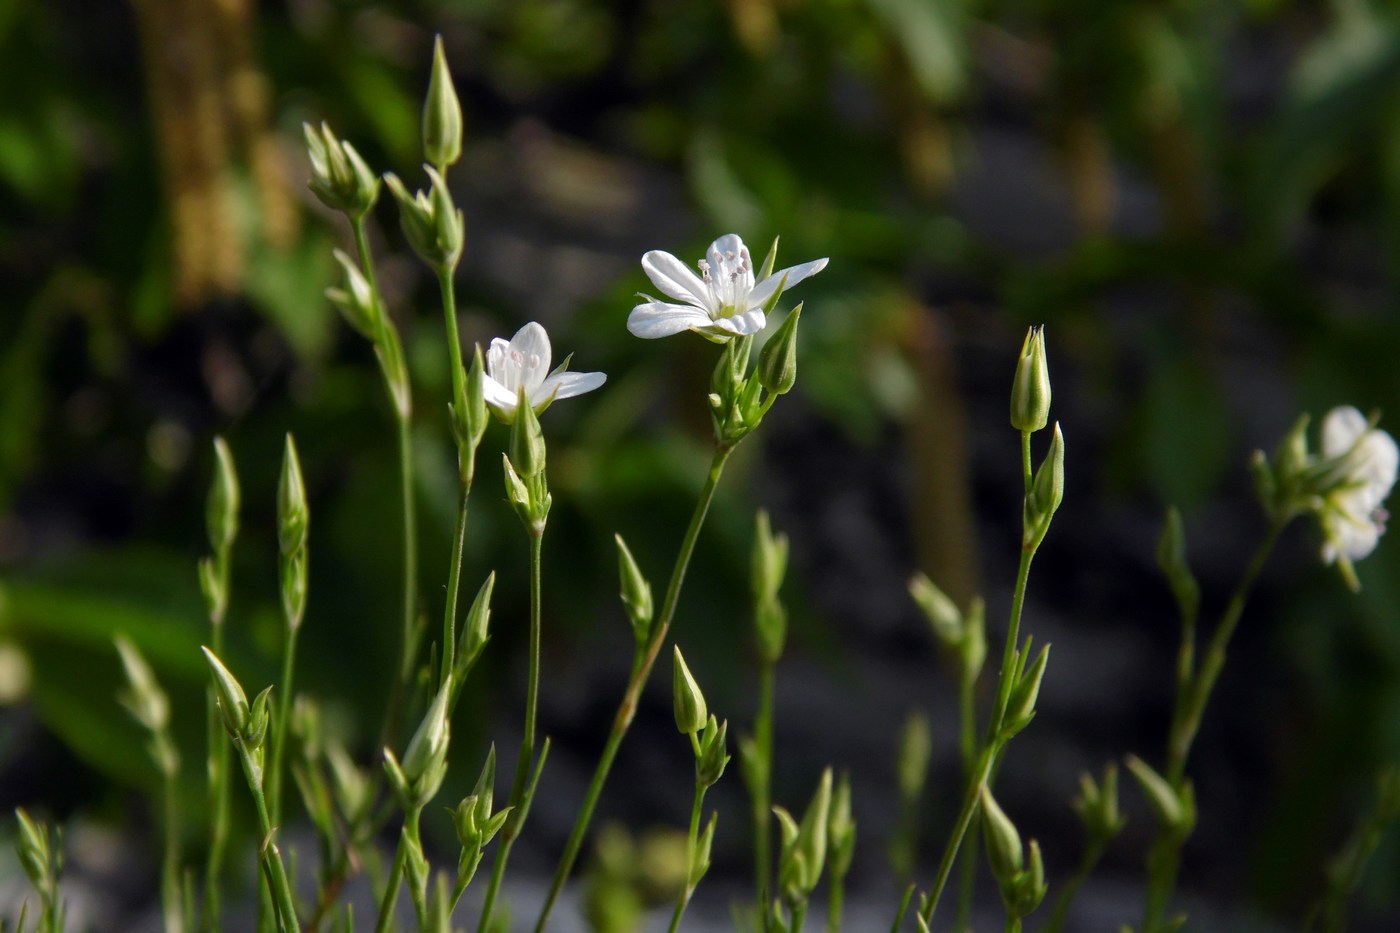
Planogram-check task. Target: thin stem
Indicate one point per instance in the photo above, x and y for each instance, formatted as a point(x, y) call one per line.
point(410, 551)
point(527, 745)
point(836, 899)
point(454, 342)
point(454, 585)
point(1013, 924)
point(170, 866)
point(218, 765)
point(967, 744)
point(691, 842)
point(1026, 476)
point(273, 869)
point(391, 889)
point(417, 892)
point(762, 793)
point(279, 735)
point(990, 746)
point(799, 916)
point(641, 670)
point(1070, 890)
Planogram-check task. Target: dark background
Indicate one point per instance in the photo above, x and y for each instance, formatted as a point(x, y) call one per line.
point(1200, 200)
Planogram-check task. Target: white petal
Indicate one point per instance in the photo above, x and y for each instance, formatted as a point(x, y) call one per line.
point(750, 322)
point(498, 395)
point(675, 279)
point(567, 385)
point(498, 364)
point(1376, 460)
point(1341, 428)
point(530, 346)
point(660, 319)
point(764, 290)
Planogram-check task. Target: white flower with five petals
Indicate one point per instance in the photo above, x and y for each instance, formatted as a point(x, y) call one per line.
point(523, 362)
point(722, 302)
point(1351, 512)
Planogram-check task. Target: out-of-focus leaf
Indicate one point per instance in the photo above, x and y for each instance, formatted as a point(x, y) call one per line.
point(932, 37)
point(288, 286)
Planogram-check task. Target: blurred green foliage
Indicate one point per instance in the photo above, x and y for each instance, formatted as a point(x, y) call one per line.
point(1202, 200)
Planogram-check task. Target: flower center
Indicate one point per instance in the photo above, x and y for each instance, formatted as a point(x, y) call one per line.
point(731, 283)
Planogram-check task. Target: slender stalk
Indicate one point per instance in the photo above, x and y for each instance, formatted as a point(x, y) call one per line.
point(218, 766)
point(836, 899)
point(967, 744)
point(990, 746)
point(170, 866)
point(1193, 695)
point(454, 581)
point(691, 841)
point(762, 795)
point(391, 889)
point(269, 855)
point(799, 916)
point(1013, 924)
point(641, 670)
point(527, 744)
point(454, 342)
point(1070, 890)
point(279, 735)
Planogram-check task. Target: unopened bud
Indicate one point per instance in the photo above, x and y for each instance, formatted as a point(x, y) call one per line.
point(233, 702)
point(1005, 853)
point(355, 301)
point(636, 591)
point(292, 515)
point(1030, 390)
point(339, 177)
point(428, 747)
point(777, 361)
point(442, 114)
point(1046, 493)
point(688, 700)
point(527, 447)
point(1175, 809)
point(221, 513)
point(841, 828)
point(1097, 805)
point(714, 756)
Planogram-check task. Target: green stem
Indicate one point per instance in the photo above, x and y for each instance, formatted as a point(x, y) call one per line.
point(628, 708)
point(1070, 891)
point(527, 745)
point(1026, 475)
point(170, 866)
point(417, 892)
point(799, 916)
point(279, 735)
point(454, 342)
point(454, 585)
point(991, 746)
point(410, 551)
point(391, 888)
point(269, 855)
point(218, 765)
point(691, 842)
point(762, 794)
point(1013, 924)
point(967, 744)
point(836, 899)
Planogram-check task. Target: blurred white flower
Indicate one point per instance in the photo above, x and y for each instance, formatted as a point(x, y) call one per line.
point(523, 361)
point(722, 302)
point(1365, 461)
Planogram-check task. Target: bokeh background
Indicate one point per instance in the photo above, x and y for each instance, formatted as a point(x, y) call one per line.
point(1200, 200)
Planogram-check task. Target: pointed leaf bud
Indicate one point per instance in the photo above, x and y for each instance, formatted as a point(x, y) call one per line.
point(1005, 853)
point(1171, 558)
point(516, 491)
point(942, 613)
point(1030, 390)
point(700, 859)
point(915, 748)
point(1176, 811)
point(339, 177)
point(478, 622)
point(710, 765)
point(233, 702)
point(259, 716)
point(448, 224)
point(146, 701)
point(428, 747)
point(811, 841)
point(777, 361)
point(356, 301)
point(527, 447)
point(1020, 707)
point(973, 648)
point(469, 412)
point(1028, 889)
point(636, 591)
point(292, 515)
point(770, 558)
point(442, 114)
point(221, 513)
point(841, 828)
point(1046, 493)
point(1097, 805)
point(689, 701)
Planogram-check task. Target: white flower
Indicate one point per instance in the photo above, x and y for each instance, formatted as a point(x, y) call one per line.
point(1351, 514)
point(523, 361)
point(722, 302)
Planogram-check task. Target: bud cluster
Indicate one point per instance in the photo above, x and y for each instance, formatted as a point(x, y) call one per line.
point(1019, 870)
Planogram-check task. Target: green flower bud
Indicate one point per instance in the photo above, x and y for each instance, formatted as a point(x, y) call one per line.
point(356, 301)
point(470, 414)
point(427, 749)
point(803, 853)
point(1030, 390)
point(233, 702)
point(432, 225)
point(636, 592)
point(475, 629)
point(221, 513)
point(915, 748)
point(1097, 805)
point(442, 114)
point(146, 701)
point(37, 854)
point(1175, 809)
point(770, 558)
point(339, 177)
point(292, 515)
point(1046, 493)
point(1027, 890)
point(1171, 558)
point(713, 757)
point(777, 361)
point(689, 701)
point(942, 613)
point(527, 447)
point(841, 829)
point(1005, 853)
point(973, 649)
point(1020, 706)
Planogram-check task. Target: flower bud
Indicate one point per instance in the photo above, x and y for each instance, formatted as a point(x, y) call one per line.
point(803, 853)
point(469, 413)
point(943, 614)
point(1097, 805)
point(700, 859)
point(431, 224)
point(1046, 493)
point(915, 747)
point(233, 702)
point(259, 716)
point(1030, 390)
point(770, 558)
point(475, 628)
point(688, 700)
point(527, 447)
point(37, 854)
point(1024, 894)
point(428, 747)
point(1171, 558)
point(146, 701)
point(442, 114)
point(841, 828)
point(636, 592)
point(777, 361)
point(1005, 853)
point(713, 757)
point(339, 177)
point(356, 301)
point(1020, 706)
point(221, 513)
point(292, 515)
point(1175, 809)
